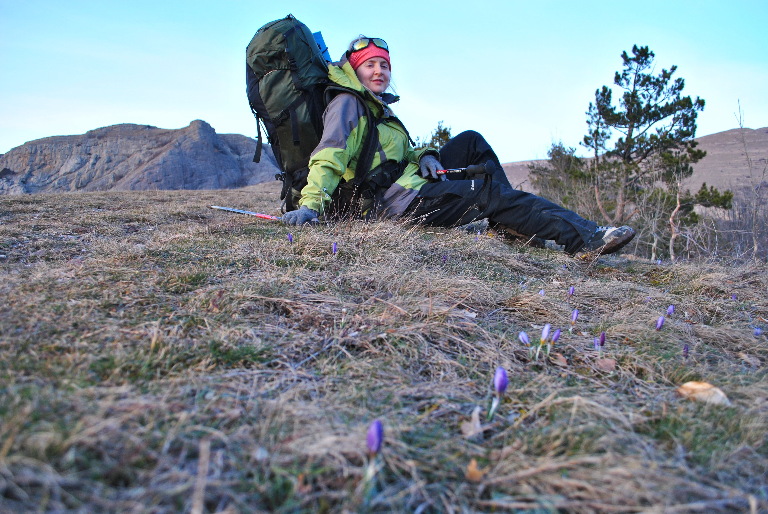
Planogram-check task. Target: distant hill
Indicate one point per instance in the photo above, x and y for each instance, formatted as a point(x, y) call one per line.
point(135, 157)
point(725, 166)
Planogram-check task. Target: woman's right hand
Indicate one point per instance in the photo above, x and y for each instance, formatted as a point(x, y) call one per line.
point(429, 165)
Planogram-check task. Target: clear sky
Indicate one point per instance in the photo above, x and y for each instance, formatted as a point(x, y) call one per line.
point(521, 73)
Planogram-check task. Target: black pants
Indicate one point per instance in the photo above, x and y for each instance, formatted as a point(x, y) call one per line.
point(461, 199)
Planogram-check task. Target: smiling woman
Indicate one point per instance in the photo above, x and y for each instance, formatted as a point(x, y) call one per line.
point(402, 181)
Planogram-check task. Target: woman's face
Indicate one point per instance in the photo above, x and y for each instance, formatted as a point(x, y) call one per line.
point(375, 74)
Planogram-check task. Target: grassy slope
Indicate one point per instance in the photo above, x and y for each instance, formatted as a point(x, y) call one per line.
point(158, 355)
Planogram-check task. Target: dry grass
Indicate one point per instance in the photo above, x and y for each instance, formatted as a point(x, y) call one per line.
point(159, 356)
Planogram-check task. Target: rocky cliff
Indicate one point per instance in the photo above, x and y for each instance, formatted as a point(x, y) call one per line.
point(135, 157)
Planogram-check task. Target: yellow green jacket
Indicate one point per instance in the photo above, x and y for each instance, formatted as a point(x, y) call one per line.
point(344, 129)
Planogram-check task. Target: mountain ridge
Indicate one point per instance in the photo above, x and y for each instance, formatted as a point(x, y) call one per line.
point(128, 157)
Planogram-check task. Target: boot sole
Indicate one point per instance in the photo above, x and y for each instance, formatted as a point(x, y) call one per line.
point(615, 245)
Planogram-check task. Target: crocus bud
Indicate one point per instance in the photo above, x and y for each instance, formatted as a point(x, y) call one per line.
point(524, 339)
point(571, 290)
point(602, 339)
point(574, 316)
point(334, 248)
point(375, 437)
point(290, 237)
point(500, 381)
point(670, 310)
point(556, 336)
point(659, 322)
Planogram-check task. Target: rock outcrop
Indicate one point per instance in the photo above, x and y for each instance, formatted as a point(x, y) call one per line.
point(135, 157)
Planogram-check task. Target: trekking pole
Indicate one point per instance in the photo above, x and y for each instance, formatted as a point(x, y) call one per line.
point(250, 213)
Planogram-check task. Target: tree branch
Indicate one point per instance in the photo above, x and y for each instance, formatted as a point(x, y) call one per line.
point(673, 226)
point(600, 204)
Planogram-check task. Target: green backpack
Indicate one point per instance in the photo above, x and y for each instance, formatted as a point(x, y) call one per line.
point(288, 89)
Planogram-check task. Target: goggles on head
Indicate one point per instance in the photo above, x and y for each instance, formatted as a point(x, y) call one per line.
point(363, 42)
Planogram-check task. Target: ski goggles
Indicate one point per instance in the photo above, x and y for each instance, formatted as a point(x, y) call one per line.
point(363, 42)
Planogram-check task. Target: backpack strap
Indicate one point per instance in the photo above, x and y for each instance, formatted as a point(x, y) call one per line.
point(413, 143)
point(363, 171)
point(259, 141)
point(365, 160)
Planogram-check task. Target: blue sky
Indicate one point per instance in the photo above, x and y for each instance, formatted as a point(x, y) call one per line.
point(521, 73)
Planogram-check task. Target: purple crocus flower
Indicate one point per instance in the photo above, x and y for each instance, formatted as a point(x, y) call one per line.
point(290, 237)
point(685, 351)
point(596, 343)
point(574, 316)
point(556, 336)
point(545, 333)
point(734, 297)
point(334, 248)
point(500, 381)
point(541, 292)
point(659, 322)
point(375, 437)
point(524, 339)
point(758, 331)
point(571, 291)
point(602, 339)
point(670, 310)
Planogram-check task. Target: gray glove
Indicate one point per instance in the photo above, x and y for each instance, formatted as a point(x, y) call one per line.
point(300, 217)
point(429, 166)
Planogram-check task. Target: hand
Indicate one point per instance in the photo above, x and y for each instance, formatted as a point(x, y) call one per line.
point(429, 166)
point(302, 216)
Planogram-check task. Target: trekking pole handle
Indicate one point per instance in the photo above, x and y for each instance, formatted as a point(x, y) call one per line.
point(480, 169)
point(474, 169)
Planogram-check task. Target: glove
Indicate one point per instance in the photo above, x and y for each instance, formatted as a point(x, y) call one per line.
point(429, 166)
point(300, 217)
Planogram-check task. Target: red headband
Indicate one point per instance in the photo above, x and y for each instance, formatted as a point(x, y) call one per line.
point(356, 59)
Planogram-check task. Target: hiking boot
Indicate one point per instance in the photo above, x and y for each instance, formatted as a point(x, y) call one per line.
point(607, 240)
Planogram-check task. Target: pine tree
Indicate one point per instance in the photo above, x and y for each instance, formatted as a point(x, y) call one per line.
point(656, 127)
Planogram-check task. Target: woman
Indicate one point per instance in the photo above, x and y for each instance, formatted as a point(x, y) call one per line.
point(406, 182)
